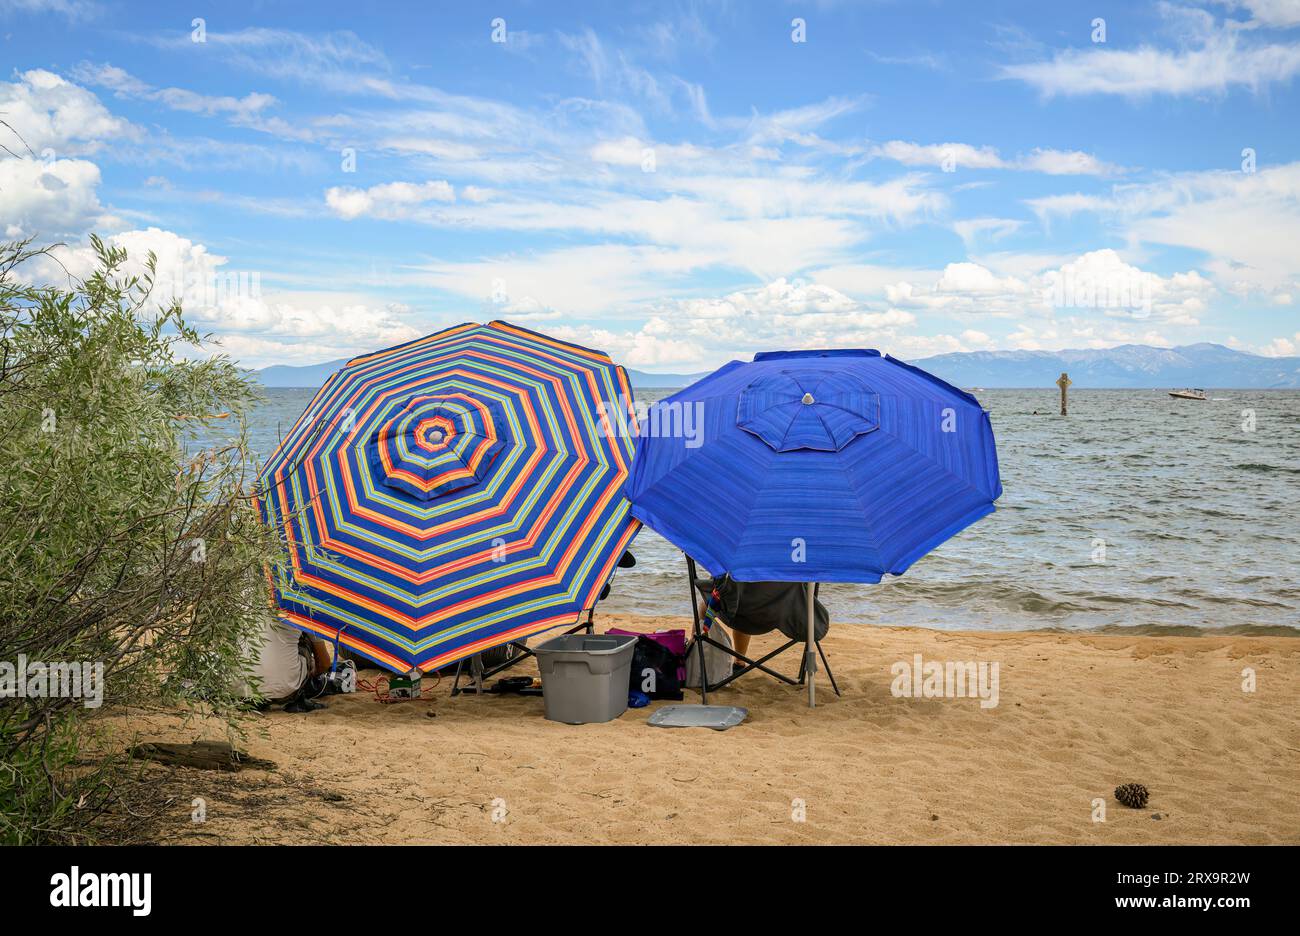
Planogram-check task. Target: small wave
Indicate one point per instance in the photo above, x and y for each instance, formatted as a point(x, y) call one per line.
point(990, 594)
point(1211, 512)
point(1190, 630)
point(1265, 469)
point(1241, 600)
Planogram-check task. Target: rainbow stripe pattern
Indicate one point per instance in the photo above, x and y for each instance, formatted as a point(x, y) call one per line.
point(452, 494)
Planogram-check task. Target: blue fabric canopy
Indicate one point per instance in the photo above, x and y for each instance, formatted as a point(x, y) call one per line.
point(814, 466)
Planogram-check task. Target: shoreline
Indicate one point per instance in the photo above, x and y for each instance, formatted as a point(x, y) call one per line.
point(1104, 630)
point(1076, 715)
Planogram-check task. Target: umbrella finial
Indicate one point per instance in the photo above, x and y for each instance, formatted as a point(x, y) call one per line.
point(808, 399)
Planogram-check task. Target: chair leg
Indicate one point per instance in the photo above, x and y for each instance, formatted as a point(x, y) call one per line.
point(827, 665)
point(752, 664)
point(704, 673)
point(476, 671)
point(699, 644)
point(523, 653)
point(455, 683)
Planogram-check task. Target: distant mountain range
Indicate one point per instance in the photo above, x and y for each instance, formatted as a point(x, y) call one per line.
point(287, 375)
point(643, 381)
point(1125, 366)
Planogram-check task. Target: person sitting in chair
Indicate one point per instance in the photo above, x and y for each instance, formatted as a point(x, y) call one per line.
point(288, 664)
point(751, 608)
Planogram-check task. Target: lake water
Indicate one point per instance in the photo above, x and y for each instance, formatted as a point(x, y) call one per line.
point(1195, 521)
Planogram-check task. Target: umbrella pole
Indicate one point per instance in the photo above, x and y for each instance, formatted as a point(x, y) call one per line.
point(810, 647)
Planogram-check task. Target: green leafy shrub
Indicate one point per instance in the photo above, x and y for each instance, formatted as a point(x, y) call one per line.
point(128, 536)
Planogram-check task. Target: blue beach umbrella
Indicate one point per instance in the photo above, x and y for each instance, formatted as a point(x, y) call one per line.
point(814, 466)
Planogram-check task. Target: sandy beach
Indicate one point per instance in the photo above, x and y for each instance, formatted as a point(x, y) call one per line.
point(1076, 716)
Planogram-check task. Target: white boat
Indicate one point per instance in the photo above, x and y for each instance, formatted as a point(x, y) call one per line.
point(1197, 394)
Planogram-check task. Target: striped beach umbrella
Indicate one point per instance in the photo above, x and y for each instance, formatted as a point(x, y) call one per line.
point(452, 494)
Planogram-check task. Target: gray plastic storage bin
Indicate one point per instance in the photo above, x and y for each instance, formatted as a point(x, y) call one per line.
point(585, 678)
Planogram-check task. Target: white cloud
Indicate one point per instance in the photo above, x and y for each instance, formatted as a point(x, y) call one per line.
point(1097, 284)
point(685, 29)
point(57, 197)
point(125, 85)
point(392, 201)
point(972, 229)
point(975, 279)
point(74, 10)
point(48, 200)
point(343, 321)
point(1223, 61)
point(870, 280)
point(616, 72)
point(965, 287)
point(1076, 332)
point(642, 348)
point(595, 280)
point(630, 151)
point(182, 265)
point(920, 60)
point(952, 157)
point(430, 146)
point(1100, 280)
point(523, 308)
point(789, 195)
point(1021, 265)
point(1282, 346)
point(796, 124)
point(51, 113)
point(771, 226)
point(338, 61)
point(941, 155)
point(1050, 206)
point(700, 331)
point(476, 193)
point(1281, 14)
point(255, 326)
point(1247, 223)
point(1064, 162)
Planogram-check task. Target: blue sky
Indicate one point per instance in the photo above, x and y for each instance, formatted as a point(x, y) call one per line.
point(676, 183)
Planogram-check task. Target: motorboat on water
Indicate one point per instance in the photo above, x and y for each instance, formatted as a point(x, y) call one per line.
point(1197, 394)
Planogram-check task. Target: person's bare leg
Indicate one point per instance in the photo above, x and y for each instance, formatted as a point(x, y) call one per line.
point(739, 641)
point(322, 658)
point(322, 654)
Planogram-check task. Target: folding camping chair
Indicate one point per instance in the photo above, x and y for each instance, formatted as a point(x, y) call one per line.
point(794, 629)
point(479, 671)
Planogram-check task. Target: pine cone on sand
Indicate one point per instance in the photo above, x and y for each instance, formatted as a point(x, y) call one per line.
point(1132, 795)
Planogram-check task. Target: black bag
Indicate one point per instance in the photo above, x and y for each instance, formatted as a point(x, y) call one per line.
point(650, 656)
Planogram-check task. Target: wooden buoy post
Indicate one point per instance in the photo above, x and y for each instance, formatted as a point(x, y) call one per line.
point(1063, 383)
